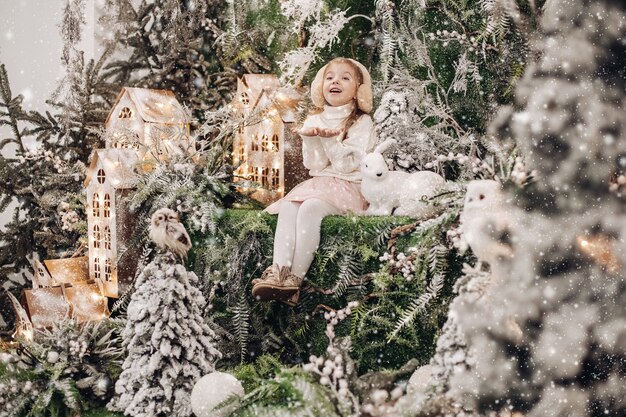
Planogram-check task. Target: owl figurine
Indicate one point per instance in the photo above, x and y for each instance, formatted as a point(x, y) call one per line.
point(486, 222)
point(168, 233)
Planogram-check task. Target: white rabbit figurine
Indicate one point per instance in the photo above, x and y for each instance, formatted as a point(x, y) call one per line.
point(388, 190)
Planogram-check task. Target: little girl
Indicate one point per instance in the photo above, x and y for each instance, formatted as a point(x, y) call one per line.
point(333, 137)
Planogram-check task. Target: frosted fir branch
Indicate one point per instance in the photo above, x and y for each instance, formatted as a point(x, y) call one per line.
point(241, 324)
point(301, 10)
point(349, 269)
point(414, 48)
point(228, 39)
point(296, 63)
point(438, 259)
point(385, 12)
point(323, 34)
point(419, 305)
point(73, 59)
point(71, 26)
point(203, 217)
point(499, 14)
point(464, 67)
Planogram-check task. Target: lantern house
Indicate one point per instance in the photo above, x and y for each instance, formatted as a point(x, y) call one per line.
point(265, 151)
point(110, 223)
point(150, 121)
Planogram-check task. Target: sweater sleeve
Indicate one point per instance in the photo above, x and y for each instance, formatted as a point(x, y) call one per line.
point(345, 156)
point(313, 153)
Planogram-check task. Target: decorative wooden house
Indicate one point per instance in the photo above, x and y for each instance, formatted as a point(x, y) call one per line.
point(152, 122)
point(62, 290)
point(267, 152)
point(111, 225)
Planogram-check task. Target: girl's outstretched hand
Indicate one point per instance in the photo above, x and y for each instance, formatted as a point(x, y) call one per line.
point(319, 131)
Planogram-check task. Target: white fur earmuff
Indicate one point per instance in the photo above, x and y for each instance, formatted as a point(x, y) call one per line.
point(363, 95)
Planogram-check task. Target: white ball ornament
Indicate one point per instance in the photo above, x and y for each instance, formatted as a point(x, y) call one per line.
point(213, 389)
point(52, 357)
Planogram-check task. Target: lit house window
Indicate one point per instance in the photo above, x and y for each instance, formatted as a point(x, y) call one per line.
point(125, 113)
point(255, 143)
point(265, 143)
point(101, 176)
point(96, 268)
point(95, 204)
point(244, 98)
point(265, 173)
point(107, 238)
point(107, 269)
point(96, 236)
point(41, 273)
point(107, 205)
point(275, 178)
point(275, 144)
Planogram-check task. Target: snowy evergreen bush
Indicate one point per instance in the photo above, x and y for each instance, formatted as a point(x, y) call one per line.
point(66, 369)
point(169, 344)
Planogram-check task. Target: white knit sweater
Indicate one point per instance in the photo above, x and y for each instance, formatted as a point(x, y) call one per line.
point(333, 157)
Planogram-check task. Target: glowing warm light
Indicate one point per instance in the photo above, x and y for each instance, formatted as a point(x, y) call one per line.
point(96, 297)
point(27, 334)
point(600, 249)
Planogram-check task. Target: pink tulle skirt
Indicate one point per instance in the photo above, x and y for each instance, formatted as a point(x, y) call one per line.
point(345, 195)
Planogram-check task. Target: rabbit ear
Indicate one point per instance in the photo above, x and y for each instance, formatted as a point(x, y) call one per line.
point(382, 147)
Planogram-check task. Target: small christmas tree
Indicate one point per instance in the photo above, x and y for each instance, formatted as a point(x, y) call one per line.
point(168, 343)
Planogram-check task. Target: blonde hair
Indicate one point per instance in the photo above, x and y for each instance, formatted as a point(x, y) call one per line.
point(356, 112)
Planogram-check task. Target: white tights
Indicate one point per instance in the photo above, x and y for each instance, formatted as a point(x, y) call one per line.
point(298, 233)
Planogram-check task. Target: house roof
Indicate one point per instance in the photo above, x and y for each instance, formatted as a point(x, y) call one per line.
point(118, 165)
point(155, 106)
point(258, 84)
point(262, 87)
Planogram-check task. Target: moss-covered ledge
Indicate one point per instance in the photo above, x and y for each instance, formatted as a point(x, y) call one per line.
point(346, 267)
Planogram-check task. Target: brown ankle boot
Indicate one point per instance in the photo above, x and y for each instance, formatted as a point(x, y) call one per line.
point(277, 283)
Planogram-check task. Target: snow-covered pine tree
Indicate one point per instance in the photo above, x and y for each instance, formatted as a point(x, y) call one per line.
point(169, 344)
point(182, 46)
point(444, 74)
point(566, 286)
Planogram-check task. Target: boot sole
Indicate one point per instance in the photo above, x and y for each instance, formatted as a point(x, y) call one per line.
point(265, 292)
